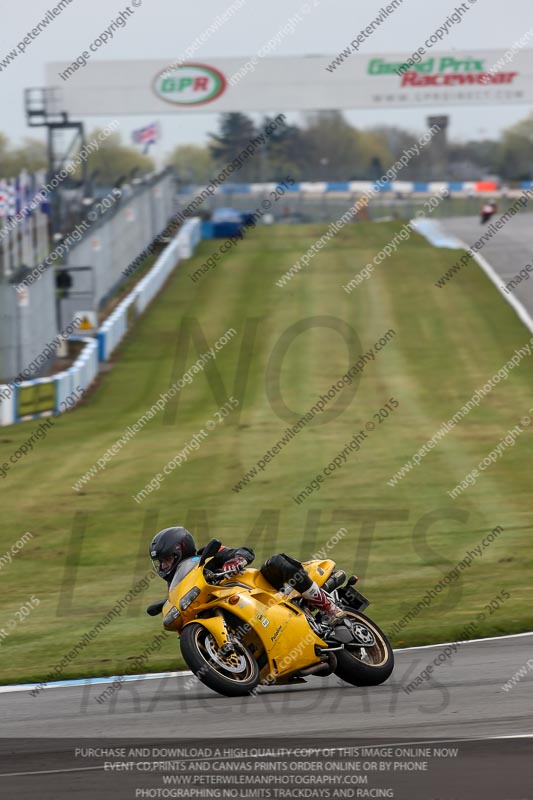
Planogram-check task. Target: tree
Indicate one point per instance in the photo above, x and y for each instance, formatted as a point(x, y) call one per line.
point(330, 149)
point(192, 163)
point(329, 146)
point(516, 151)
point(473, 160)
point(236, 131)
point(283, 148)
point(5, 163)
point(113, 159)
point(31, 155)
point(397, 140)
point(375, 155)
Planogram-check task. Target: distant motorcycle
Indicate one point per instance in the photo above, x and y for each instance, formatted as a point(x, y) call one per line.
point(487, 211)
point(239, 632)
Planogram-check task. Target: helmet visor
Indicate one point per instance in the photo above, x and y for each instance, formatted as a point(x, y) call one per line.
point(164, 565)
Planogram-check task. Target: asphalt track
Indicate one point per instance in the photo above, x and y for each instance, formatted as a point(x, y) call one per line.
point(507, 252)
point(463, 698)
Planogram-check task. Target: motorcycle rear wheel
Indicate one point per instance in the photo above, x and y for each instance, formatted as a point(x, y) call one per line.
point(368, 665)
point(232, 676)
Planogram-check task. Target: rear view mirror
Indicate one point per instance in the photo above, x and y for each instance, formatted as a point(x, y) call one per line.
point(155, 608)
point(210, 549)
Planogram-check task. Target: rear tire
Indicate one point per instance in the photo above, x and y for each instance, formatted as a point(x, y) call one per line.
point(233, 677)
point(366, 666)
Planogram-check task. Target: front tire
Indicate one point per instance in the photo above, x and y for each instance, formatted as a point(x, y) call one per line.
point(232, 676)
point(368, 665)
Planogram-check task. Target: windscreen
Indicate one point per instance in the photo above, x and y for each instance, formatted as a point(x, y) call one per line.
point(183, 569)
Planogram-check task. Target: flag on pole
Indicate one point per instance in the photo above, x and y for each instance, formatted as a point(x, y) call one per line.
point(15, 254)
point(4, 245)
point(42, 212)
point(23, 196)
point(146, 136)
point(23, 187)
point(11, 198)
point(27, 192)
point(3, 199)
point(42, 192)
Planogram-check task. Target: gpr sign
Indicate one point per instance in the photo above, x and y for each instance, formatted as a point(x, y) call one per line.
point(296, 83)
point(189, 84)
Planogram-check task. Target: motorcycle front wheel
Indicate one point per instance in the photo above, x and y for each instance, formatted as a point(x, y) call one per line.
point(232, 675)
point(365, 664)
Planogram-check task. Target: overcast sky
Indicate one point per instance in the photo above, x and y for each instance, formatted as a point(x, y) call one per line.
point(164, 28)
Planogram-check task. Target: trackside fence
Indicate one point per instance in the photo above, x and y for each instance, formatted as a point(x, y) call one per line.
point(44, 397)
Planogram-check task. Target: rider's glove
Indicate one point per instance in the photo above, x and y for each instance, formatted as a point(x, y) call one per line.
point(234, 566)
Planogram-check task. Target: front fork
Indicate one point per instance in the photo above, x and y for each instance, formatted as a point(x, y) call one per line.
point(216, 625)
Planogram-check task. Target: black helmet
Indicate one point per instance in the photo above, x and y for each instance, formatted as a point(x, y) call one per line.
point(176, 542)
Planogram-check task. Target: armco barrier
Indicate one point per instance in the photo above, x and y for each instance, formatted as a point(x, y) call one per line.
point(81, 374)
point(44, 397)
point(7, 407)
point(115, 327)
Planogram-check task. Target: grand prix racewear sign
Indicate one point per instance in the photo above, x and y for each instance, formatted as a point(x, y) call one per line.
point(298, 83)
point(446, 71)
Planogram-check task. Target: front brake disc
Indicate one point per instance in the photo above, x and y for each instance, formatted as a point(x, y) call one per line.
point(232, 662)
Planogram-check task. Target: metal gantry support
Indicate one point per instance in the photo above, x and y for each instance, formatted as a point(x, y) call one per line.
point(43, 107)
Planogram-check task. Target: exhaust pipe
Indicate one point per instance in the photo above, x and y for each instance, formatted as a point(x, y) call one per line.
point(334, 581)
point(324, 669)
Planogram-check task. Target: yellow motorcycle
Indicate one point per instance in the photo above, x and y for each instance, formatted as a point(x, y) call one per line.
point(239, 633)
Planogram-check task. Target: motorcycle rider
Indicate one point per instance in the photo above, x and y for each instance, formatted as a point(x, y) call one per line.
point(487, 211)
point(171, 545)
